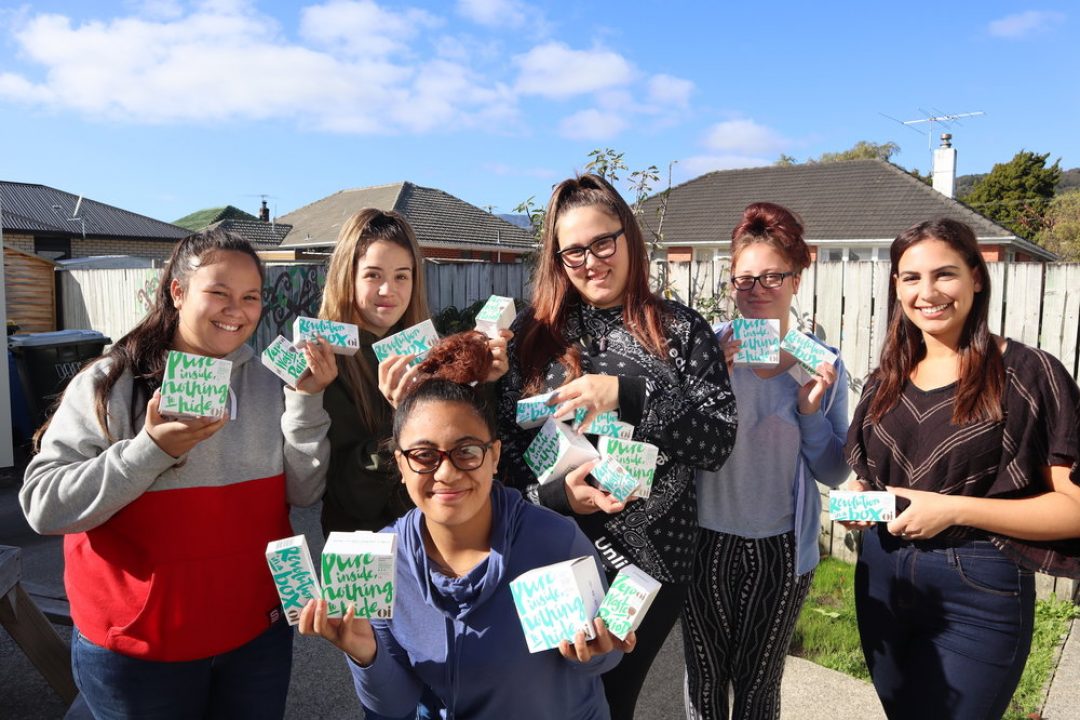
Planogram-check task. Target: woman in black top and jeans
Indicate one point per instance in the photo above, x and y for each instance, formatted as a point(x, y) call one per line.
point(597, 333)
point(977, 437)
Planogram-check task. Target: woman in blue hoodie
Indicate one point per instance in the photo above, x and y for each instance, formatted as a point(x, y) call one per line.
point(455, 631)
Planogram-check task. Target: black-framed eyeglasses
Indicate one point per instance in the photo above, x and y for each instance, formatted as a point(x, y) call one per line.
point(769, 281)
point(426, 460)
point(602, 247)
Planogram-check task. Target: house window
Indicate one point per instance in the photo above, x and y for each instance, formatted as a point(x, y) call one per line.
point(853, 256)
point(833, 255)
point(53, 248)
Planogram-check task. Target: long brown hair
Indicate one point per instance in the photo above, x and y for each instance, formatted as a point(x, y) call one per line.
point(543, 339)
point(981, 371)
point(361, 231)
point(144, 349)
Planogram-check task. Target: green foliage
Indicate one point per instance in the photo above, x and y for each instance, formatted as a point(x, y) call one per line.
point(1052, 618)
point(862, 150)
point(606, 163)
point(1017, 194)
point(1061, 231)
point(785, 160)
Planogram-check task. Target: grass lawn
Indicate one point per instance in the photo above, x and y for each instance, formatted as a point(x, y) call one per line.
point(827, 634)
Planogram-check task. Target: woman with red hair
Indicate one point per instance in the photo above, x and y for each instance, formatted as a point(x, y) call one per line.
point(597, 334)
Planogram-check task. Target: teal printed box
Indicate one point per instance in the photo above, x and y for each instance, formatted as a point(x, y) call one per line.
point(606, 423)
point(806, 350)
point(294, 575)
point(613, 478)
point(534, 411)
point(556, 450)
point(344, 338)
point(194, 386)
point(497, 314)
point(358, 569)
point(638, 458)
point(283, 359)
point(416, 340)
point(871, 506)
point(760, 342)
point(627, 600)
point(554, 602)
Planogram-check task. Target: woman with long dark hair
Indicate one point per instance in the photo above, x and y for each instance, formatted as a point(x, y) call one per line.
point(597, 334)
point(759, 514)
point(166, 521)
point(977, 436)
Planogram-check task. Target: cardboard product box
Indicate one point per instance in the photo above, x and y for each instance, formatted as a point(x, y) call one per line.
point(613, 478)
point(417, 339)
point(760, 342)
point(606, 423)
point(283, 359)
point(534, 411)
point(344, 338)
point(808, 352)
point(195, 386)
point(556, 450)
point(358, 568)
point(555, 601)
point(627, 600)
point(638, 458)
point(497, 314)
point(294, 575)
point(870, 506)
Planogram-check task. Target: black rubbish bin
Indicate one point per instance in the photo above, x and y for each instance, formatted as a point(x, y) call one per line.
point(47, 361)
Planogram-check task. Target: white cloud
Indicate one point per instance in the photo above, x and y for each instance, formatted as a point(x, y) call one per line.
point(667, 91)
point(592, 124)
point(743, 137)
point(556, 71)
point(1024, 24)
point(361, 27)
point(692, 167)
point(495, 13)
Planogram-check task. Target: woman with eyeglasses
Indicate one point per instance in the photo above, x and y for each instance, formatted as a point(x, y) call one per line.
point(455, 634)
point(759, 514)
point(597, 334)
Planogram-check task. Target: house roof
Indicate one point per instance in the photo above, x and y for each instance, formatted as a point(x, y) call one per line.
point(856, 200)
point(439, 219)
point(46, 211)
point(208, 216)
point(262, 235)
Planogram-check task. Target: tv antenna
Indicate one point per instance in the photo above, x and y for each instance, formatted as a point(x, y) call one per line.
point(931, 117)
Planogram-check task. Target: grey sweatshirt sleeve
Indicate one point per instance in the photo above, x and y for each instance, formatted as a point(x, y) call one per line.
point(79, 479)
point(387, 686)
point(823, 434)
point(305, 425)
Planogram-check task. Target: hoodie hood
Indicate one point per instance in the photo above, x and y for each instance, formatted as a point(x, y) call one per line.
point(458, 597)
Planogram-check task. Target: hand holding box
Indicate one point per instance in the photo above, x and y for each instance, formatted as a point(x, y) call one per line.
point(606, 423)
point(344, 338)
point(554, 602)
point(869, 506)
point(417, 340)
point(760, 342)
point(556, 450)
point(358, 569)
point(497, 314)
point(194, 386)
point(283, 359)
point(808, 352)
point(614, 479)
point(294, 575)
point(534, 411)
point(638, 458)
point(627, 600)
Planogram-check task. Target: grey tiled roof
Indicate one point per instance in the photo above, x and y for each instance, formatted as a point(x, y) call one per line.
point(439, 219)
point(43, 210)
point(853, 200)
point(262, 235)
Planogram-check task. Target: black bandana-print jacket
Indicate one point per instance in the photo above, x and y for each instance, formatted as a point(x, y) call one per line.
point(683, 404)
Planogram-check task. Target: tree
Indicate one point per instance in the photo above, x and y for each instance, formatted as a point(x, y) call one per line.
point(1017, 194)
point(1061, 231)
point(862, 150)
point(785, 160)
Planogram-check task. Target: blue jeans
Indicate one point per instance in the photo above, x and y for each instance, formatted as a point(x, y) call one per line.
point(945, 627)
point(249, 682)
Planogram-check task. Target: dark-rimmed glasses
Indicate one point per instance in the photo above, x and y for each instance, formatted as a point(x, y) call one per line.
point(426, 460)
point(602, 247)
point(769, 281)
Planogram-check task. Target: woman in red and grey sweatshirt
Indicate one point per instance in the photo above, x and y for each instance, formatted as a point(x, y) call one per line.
point(166, 521)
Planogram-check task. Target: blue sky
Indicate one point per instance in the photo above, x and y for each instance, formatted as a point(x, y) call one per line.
point(165, 107)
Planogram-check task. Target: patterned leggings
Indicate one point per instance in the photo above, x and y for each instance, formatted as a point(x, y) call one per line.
point(737, 624)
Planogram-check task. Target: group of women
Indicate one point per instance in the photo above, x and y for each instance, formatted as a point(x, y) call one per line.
point(166, 520)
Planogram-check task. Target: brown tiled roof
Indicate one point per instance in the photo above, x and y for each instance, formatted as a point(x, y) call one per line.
point(439, 219)
point(262, 235)
point(852, 200)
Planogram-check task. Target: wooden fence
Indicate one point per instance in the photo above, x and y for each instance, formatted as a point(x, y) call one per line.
point(843, 302)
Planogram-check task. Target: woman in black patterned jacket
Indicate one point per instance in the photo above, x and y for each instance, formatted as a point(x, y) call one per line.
point(597, 334)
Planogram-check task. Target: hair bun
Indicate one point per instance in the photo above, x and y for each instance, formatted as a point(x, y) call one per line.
point(463, 358)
